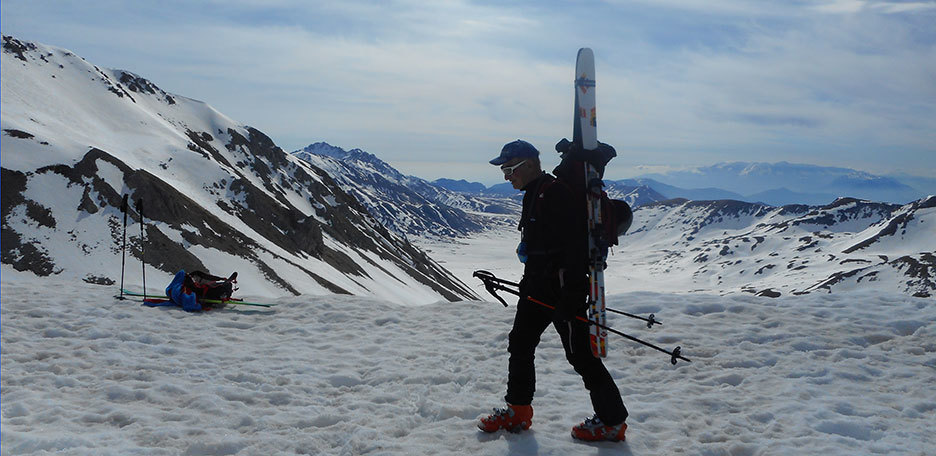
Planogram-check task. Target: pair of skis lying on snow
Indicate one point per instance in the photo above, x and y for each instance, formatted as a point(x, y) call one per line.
point(233, 301)
point(493, 283)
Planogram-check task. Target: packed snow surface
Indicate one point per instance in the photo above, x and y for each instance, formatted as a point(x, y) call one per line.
point(84, 373)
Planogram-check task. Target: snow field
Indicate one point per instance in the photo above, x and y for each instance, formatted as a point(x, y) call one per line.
point(83, 373)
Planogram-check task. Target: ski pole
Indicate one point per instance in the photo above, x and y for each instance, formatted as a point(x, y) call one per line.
point(489, 276)
point(492, 284)
point(123, 250)
point(496, 283)
point(675, 354)
point(651, 320)
point(139, 206)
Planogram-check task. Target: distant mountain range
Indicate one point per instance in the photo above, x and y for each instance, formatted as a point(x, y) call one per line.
point(767, 183)
point(790, 183)
point(635, 193)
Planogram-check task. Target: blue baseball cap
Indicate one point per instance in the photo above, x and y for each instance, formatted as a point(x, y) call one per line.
point(516, 149)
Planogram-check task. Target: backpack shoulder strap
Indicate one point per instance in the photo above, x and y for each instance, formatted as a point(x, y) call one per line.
point(541, 192)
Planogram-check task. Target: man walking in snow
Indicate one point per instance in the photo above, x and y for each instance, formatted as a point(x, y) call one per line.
point(553, 250)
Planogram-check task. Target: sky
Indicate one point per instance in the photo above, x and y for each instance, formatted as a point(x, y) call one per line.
point(435, 88)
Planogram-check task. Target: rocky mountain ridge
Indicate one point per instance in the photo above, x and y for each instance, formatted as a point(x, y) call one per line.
point(216, 194)
point(406, 204)
point(732, 245)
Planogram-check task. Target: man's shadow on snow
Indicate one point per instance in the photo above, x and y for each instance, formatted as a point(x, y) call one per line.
point(525, 443)
point(611, 448)
point(520, 443)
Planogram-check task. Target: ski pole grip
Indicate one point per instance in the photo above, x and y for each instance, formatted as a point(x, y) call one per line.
point(675, 355)
point(678, 355)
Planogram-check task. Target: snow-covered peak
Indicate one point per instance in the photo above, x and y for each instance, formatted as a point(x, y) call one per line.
point(407, 205)
point(322, 148)
point(216, 194)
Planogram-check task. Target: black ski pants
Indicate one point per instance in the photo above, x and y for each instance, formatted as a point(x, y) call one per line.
point(531, 321)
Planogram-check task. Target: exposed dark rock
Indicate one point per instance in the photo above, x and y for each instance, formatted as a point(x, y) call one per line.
point(898, 222)
point(18, 133)
point(13, 184)
point(87, 204)
point(769, 293)
point(165, 254)
point(794, 209)
point(23, 256)
point(922, 270)
point(137, 84)
point(764, 268)
point(834, 279)
point(202, 145)
point(116, 89)
point(718, 211)
point(41, 214)
point(16, 47)
point(757, 241)
point(28, 256)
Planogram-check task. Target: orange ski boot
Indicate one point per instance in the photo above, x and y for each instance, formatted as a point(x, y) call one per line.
point(514, 418)
point(593, 430)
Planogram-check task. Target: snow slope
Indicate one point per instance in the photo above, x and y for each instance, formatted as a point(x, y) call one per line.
point(217, 194)
point(82, 373)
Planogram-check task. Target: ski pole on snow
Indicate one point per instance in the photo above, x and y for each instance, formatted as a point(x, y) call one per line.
point(123, 250)
point(490, 280)
point(493, 283)
point(139, 207)
point(675, 354)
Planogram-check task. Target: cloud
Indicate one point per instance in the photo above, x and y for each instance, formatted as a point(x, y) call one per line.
point(679, 82)
point(858, 6)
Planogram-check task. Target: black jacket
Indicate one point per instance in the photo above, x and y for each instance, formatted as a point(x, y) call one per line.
point(553, 228)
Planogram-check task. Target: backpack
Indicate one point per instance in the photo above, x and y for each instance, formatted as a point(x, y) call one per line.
point(616, 214)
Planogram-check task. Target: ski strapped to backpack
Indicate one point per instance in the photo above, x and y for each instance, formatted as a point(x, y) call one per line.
point(585, 138)
point(493, 284)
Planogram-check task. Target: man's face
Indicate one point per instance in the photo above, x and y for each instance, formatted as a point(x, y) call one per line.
point(516, 171)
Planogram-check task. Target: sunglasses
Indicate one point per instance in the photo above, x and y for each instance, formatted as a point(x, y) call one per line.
point(509, 170)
